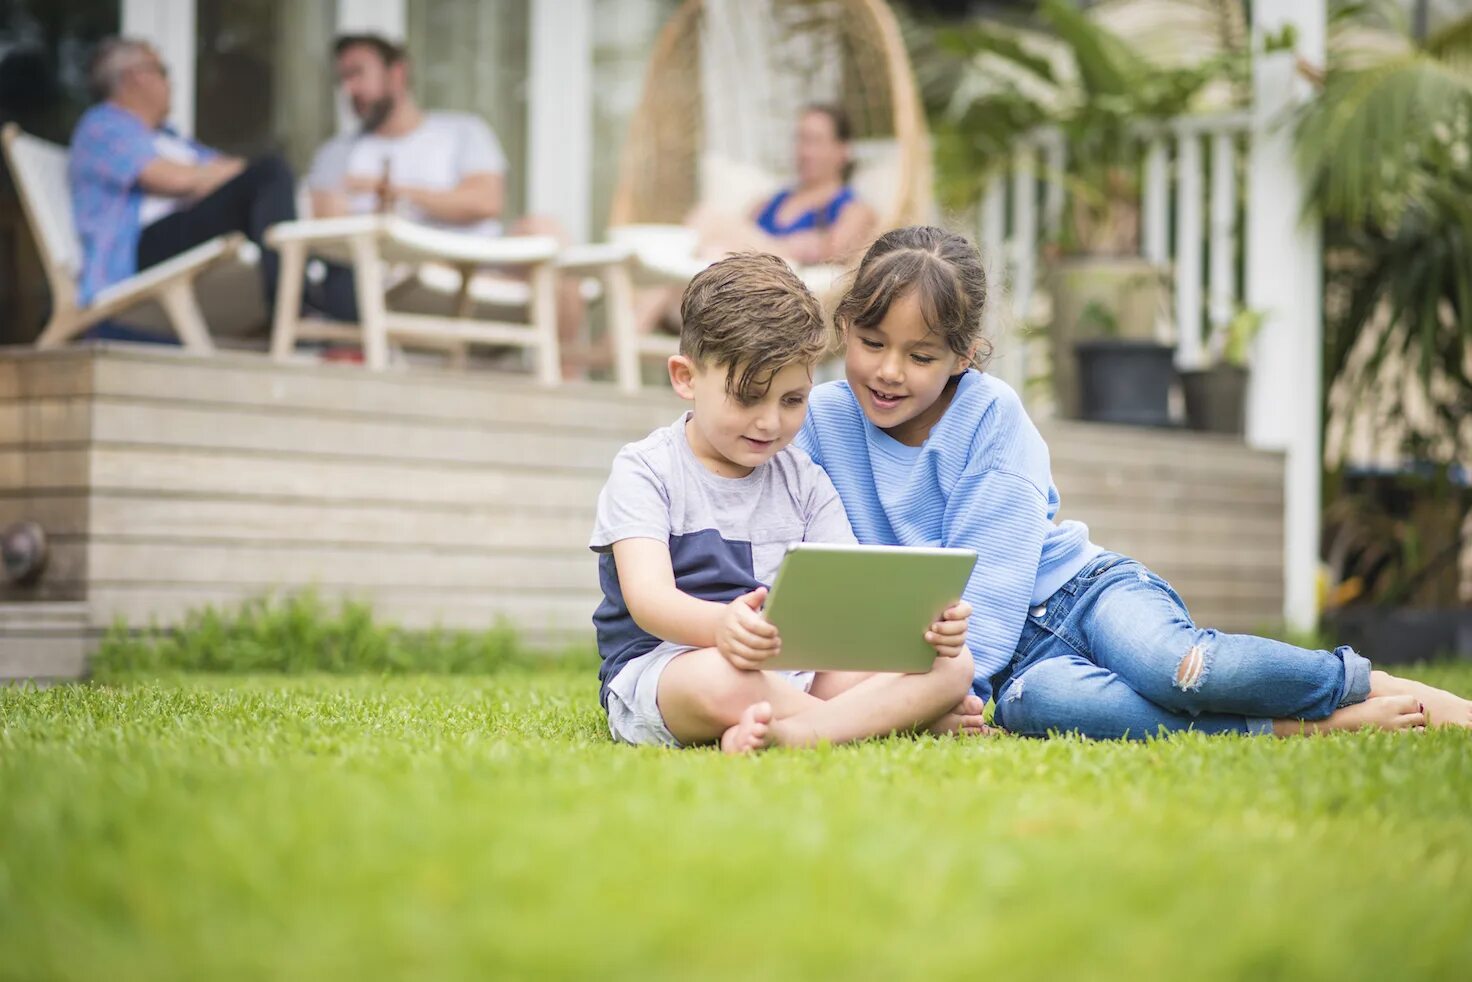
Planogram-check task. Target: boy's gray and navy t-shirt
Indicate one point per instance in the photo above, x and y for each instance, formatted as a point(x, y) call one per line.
point(726, 535)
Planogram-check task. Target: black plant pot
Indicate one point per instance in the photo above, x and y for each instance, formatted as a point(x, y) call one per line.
point(1216, 399)
point(1402, 634)
point(1125, 381)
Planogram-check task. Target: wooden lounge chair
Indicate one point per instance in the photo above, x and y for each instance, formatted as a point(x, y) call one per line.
point(39, 168)
point(370, 243)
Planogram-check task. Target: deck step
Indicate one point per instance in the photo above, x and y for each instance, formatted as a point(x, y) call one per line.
point(45, 641)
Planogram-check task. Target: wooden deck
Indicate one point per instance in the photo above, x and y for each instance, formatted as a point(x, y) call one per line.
point(167, 482)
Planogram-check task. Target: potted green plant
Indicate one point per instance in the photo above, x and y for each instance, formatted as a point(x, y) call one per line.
point(1392, 542)
point(1099, 95)
point(1121, 379)
point(1216, 396)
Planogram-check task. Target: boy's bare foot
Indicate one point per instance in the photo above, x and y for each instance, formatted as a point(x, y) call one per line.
point(964, 720)
point(752, 733)
point(1443, 708)
point(1377, 712)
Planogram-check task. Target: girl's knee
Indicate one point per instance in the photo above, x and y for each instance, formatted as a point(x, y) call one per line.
point(1189, 664)
point(1043, 699)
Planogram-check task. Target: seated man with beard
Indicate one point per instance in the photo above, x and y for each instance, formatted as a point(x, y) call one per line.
point(444, 169)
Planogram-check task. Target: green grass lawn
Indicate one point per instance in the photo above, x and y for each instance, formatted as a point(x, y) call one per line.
point(360, 826)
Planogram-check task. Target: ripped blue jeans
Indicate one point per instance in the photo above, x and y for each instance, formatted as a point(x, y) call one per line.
point(1114, 654)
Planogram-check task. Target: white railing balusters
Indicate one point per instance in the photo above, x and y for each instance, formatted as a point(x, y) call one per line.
point(1054, 160)
point(1024, 244)
point(1221, 252)
point(1188, 250)
point(1024, 229)
point(1154, 206)
point(1177, 232)
point(993, 220)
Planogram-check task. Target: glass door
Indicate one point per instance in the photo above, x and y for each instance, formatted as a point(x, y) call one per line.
point(263, 77)
point(471, 55)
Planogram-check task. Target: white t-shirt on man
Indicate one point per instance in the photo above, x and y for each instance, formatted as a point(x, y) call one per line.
point(441, 152)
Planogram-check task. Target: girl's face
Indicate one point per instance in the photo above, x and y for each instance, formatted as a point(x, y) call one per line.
point(898, 370)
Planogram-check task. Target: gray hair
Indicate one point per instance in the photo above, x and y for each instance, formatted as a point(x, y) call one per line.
point(112, 57)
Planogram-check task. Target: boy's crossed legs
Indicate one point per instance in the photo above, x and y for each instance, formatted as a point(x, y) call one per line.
point(704, 698)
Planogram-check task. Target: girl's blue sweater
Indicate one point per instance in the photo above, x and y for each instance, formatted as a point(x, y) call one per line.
point(981, 481)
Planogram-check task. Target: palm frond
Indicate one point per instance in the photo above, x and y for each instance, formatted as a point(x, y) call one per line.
point(1453, 41)
point(1386, 14)
point(1358, 140)
point(973, 39)
point(1106, 66)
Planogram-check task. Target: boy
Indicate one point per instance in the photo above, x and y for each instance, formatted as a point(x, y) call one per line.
point(694, 519)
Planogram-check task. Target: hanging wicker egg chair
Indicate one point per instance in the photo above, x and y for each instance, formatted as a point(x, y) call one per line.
point(723, 90)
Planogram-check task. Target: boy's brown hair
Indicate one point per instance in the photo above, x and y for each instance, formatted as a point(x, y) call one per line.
point(750, 314)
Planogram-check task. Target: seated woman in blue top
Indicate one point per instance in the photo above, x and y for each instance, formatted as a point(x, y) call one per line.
point(819, 219)
point(926, 449)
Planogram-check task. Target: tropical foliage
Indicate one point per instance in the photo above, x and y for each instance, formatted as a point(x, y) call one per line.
point(988, 85)
point(1387, 147)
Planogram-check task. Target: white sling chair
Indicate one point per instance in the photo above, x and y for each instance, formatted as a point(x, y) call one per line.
point(39, 168)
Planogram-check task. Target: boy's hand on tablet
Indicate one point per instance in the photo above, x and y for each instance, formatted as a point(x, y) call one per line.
point(948, 635)
point(745, 637)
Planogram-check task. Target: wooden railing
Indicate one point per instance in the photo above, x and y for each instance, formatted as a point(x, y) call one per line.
point(1189, 186)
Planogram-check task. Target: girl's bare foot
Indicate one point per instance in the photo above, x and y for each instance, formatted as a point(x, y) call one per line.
point(964, 720)
point(1443, 708)
point(1376, 712)
point(752, 733)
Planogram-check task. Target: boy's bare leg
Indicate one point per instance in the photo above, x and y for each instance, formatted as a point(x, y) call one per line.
point(877, 706)
point(826, 685)
point(1379, 712)
point(1443, 708)
point(965, 718)
point(702, 695)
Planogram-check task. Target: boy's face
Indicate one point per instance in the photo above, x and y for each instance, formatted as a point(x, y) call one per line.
point(729, 435)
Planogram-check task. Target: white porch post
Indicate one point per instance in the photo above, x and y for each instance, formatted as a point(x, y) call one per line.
point(560, 114)
point(169, 26)
point(1284, 279)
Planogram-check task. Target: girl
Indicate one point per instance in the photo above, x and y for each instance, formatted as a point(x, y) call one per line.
point(926, 449)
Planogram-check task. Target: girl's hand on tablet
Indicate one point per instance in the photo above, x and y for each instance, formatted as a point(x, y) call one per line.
point(744, 637)
point(948, 635)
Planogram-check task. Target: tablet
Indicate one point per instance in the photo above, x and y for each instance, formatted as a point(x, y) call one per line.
point(862, 608)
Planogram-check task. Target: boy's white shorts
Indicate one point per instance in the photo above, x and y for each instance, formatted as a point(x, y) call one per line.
point(633, 697)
